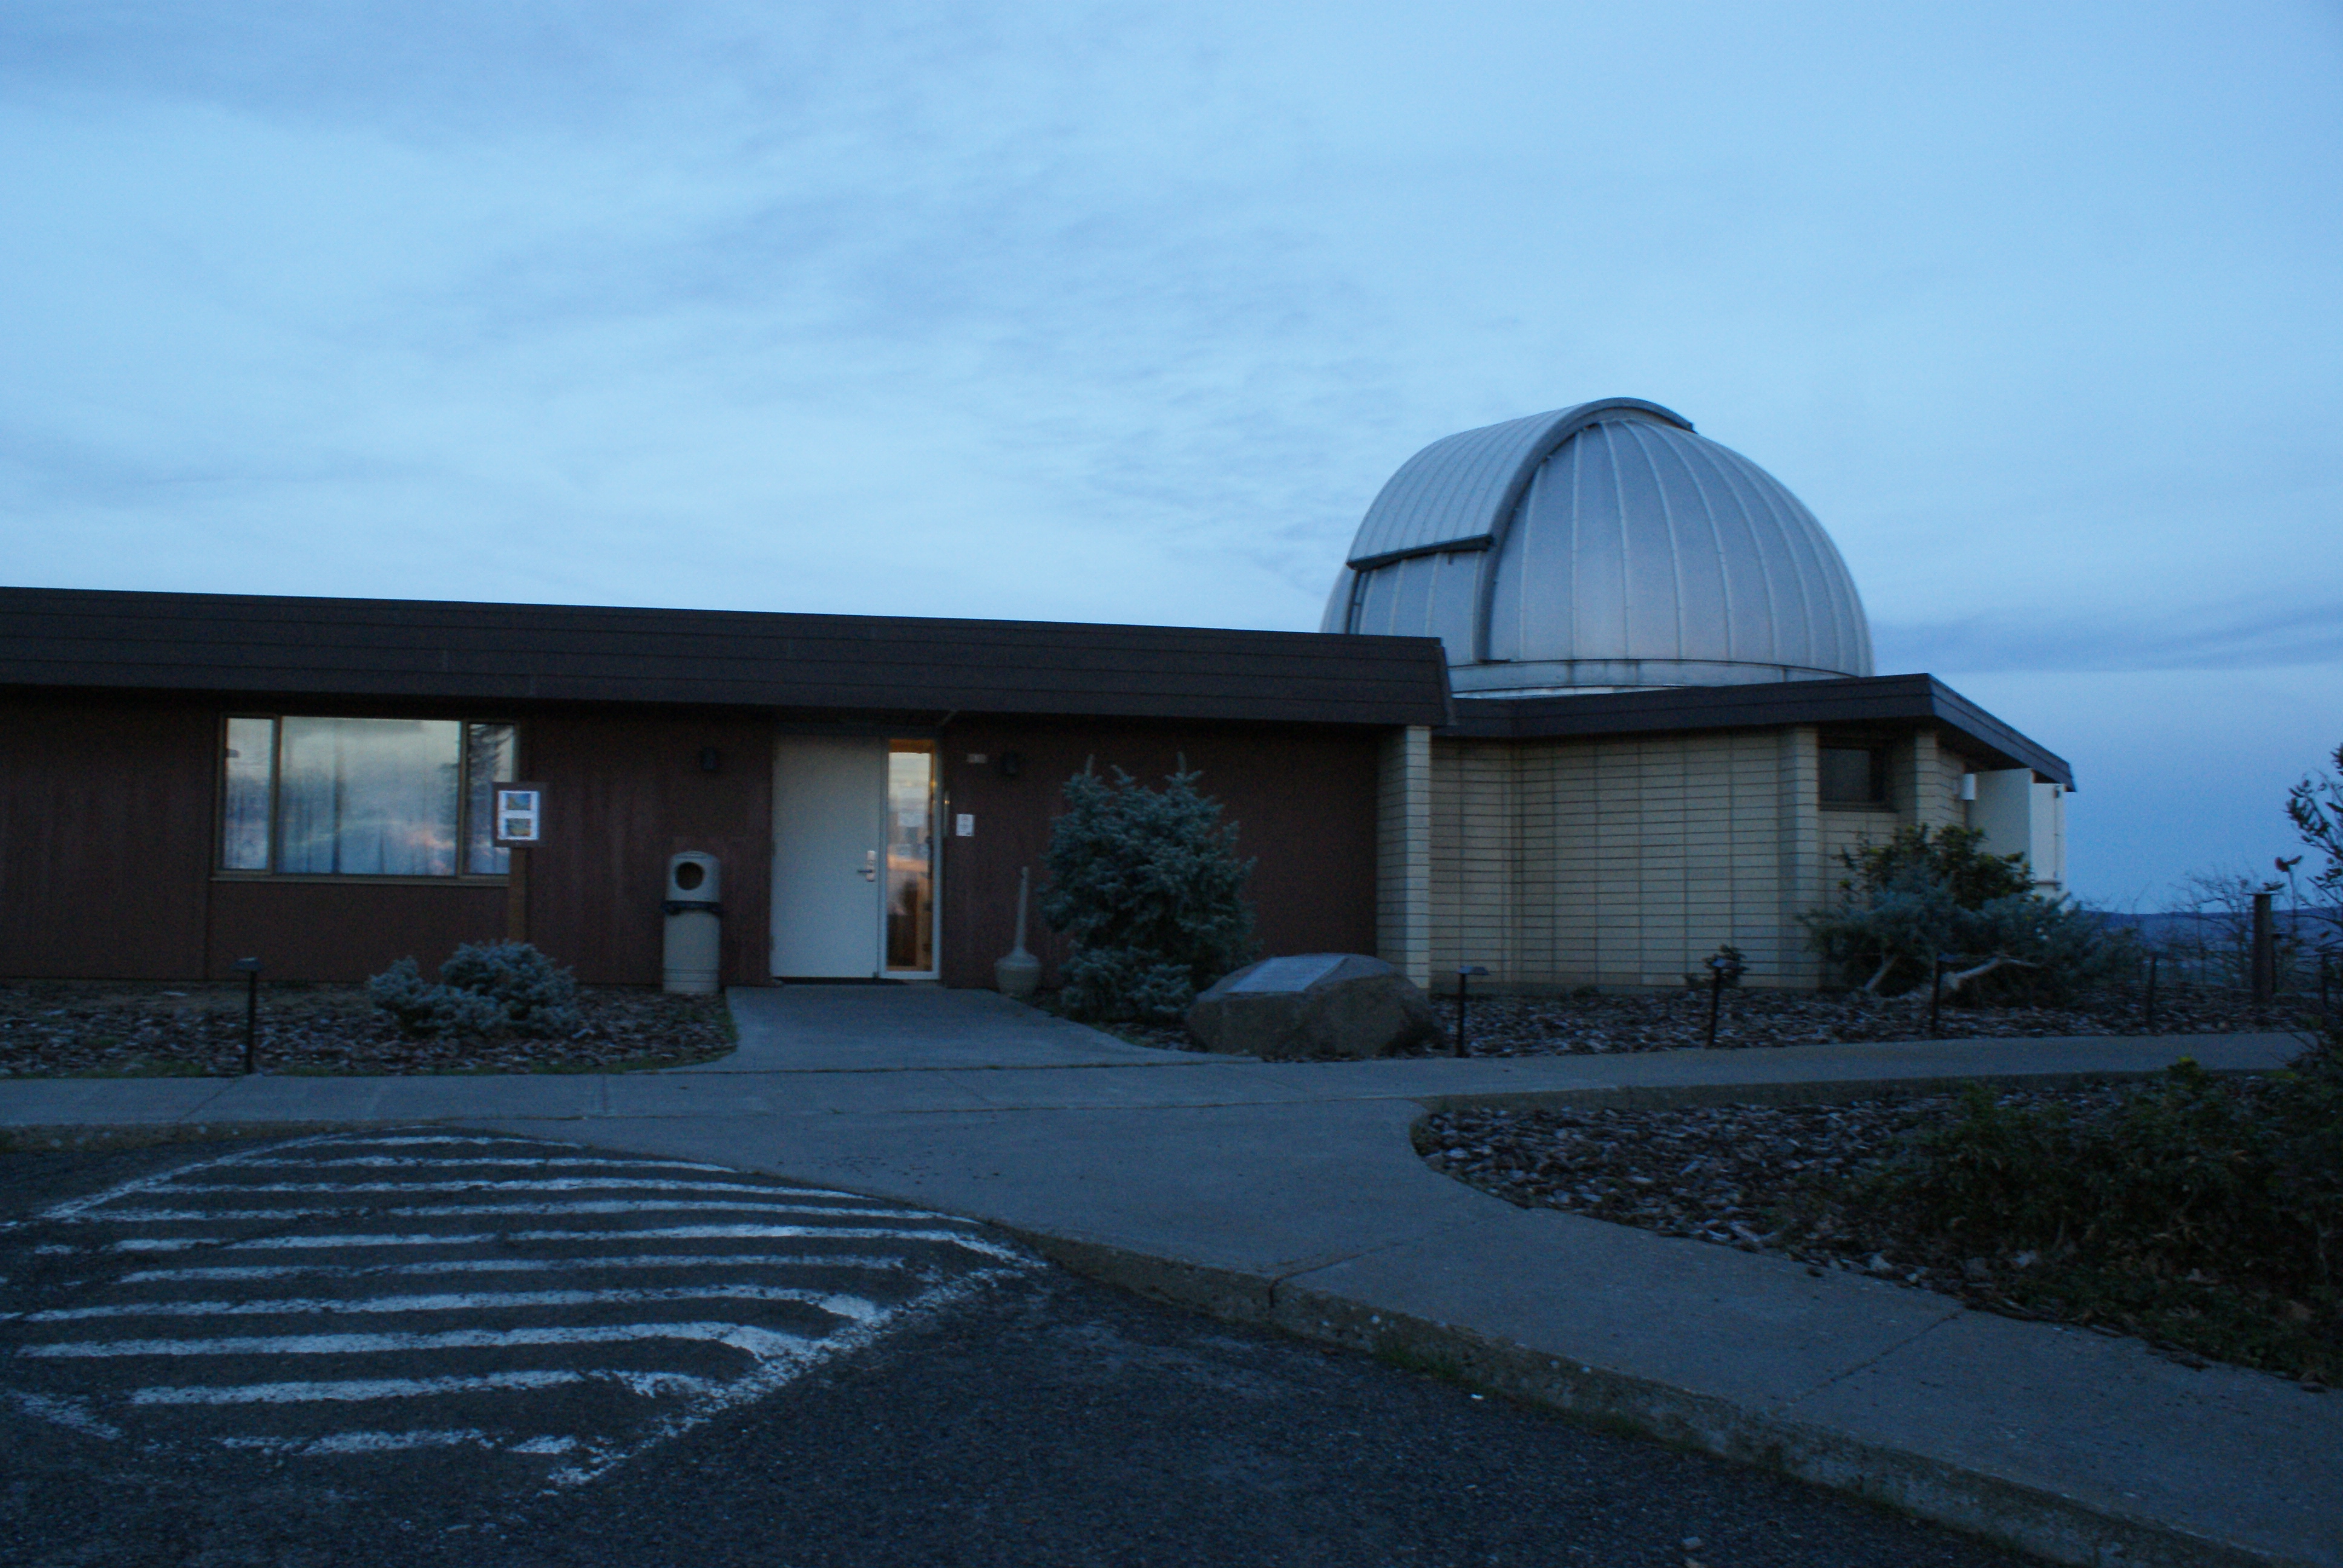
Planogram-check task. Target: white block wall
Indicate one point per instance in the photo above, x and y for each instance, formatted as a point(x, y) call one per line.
point(1626, 861)
point(2020, 817)
point(1404, 853)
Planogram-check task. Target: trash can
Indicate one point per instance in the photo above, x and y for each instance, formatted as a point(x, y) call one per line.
point(695, 924)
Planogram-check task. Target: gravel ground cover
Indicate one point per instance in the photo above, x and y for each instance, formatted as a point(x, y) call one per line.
point(1789, 1181)
point(57, 1030)
point(1589, 1025)
point(1678, 1019)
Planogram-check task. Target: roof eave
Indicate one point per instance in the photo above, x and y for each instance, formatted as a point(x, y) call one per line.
point(1857, 699)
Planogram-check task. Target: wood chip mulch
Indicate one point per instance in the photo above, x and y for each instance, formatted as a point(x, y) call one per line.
point(54, 1030)
point(1753, 1017)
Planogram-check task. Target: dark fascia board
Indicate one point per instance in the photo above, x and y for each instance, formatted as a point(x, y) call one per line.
point(386, 648)
point(1897, 700)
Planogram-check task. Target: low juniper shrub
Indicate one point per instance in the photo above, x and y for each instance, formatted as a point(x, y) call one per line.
point(484, 988)
point(1930, 891)
point(2195, 1198)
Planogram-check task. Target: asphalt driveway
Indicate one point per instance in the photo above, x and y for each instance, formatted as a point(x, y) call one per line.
point(436, 1347)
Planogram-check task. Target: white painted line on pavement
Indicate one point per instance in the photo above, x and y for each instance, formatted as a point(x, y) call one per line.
point(888, 1263)
point(855, 1308)
point(459, 1211)
point(354, 1388)
point(558, 1185)
point(414, 1162)
point(765, 1379)
point(363, 1442)
point(417, 1139)
point(73, 1208)
point(506, 1184)
point(762, 1343)
point(662, 1234)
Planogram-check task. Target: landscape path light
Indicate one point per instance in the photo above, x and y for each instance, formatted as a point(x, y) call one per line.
point(251, 968)
point(1463, 975)
point(1724, 967)
point(1936, 990)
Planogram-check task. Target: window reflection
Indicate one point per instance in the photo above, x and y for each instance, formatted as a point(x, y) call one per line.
point(363, 796)
point(251, 768)
point(368, 797)
point(911, 850)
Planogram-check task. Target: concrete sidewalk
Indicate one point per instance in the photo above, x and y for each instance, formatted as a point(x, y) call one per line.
point(1288, 1193)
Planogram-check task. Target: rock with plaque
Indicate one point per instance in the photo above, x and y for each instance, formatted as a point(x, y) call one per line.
point(1315, 1005)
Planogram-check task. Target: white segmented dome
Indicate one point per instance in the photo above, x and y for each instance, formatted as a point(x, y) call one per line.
point(1601, 546)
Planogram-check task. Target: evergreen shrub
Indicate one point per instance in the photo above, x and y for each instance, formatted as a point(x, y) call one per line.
point(484, 988)
point(1146, 886)
point(1929, 892)
point(2200, 1208)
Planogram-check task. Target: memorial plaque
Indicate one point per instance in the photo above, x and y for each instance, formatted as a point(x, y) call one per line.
point(1313, 1005)
point(1290, 974)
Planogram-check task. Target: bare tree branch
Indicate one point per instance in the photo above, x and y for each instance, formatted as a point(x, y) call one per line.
point(1959, 977)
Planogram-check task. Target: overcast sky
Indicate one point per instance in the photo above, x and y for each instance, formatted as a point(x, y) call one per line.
point(1124, 312)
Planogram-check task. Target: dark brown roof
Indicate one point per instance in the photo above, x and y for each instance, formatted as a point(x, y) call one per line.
point(1895, 699)
point(518, 652)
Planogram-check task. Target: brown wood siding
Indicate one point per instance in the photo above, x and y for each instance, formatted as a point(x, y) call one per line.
point(1305, 803)
point(346, 930)
point(108, 840)
point(105, 831)
point(624, 792)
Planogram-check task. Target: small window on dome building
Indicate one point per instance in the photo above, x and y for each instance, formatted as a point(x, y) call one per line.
point(1855, 775)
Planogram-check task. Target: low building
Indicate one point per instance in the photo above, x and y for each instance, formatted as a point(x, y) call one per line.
point(1593, 698)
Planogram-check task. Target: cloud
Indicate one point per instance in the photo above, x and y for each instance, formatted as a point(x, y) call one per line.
point(2224, 635)
point(1125, 311)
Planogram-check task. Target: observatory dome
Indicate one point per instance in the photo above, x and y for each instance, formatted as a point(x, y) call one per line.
point(1601, 547)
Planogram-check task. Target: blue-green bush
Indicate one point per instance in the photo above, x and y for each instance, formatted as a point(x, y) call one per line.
point(1147, 888)
point(1928, 892)
point(484, 988)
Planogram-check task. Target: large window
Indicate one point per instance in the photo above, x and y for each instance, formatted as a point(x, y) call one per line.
point(363, 796)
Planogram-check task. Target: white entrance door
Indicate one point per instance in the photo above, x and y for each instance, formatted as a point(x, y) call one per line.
point(829, 842)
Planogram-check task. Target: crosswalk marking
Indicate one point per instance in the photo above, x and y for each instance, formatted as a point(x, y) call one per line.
point(504, 1184)
point(454, 1301)
point(395, 1161)
point(352, 1389)
point(492, 1266)
point(670, 1233)
point(464, 1210)
point(557, 1308)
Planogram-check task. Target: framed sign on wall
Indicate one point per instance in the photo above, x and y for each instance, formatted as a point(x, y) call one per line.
point(519, 816)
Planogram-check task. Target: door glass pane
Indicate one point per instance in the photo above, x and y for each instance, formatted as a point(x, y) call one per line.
point(244, 816)
point(369, 796)
point(491, 757)
point(911, 850)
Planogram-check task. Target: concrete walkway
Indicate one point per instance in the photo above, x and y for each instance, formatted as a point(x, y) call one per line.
point(1289, 1194)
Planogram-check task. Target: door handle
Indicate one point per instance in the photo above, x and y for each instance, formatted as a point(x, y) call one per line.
point(870, 865)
